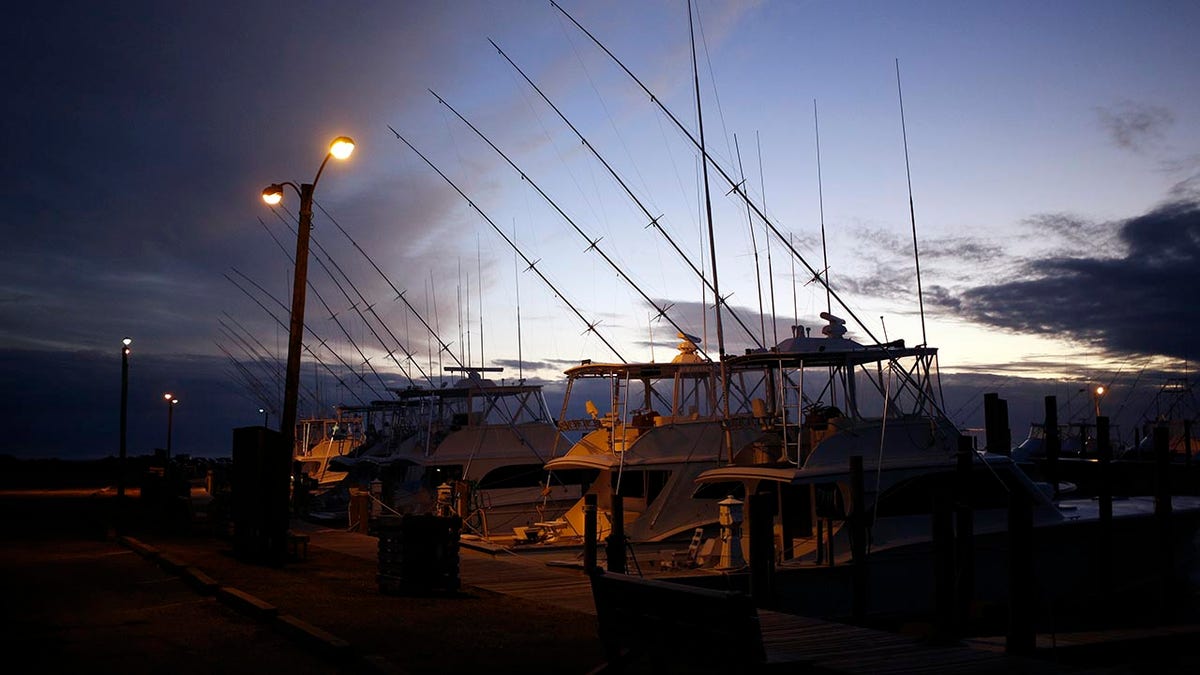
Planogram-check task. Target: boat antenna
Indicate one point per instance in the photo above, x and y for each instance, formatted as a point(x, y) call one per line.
point(517, 284)
point(795, 307)
point(821, 207)
point(767, 235)
point(712, 242)
point(458, 302)
point(479, 285)
point(911, 211)
point(762, 325)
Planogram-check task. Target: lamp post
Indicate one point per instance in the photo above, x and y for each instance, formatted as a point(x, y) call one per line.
point(341, 148)
point(171, 401)
point(264, 414)
point(1099, 393)
point(124, 418)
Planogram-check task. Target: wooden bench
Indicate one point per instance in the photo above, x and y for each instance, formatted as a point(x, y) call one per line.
point(679, 628)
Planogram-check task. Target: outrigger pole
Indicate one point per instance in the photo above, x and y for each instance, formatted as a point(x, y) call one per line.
point(712, 247)
point(532, 264)
point(912, 214)
point(735, 185)
point(653, 220)
point(310, 332)
point(593, 244)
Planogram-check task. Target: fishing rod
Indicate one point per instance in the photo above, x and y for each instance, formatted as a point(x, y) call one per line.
point(593, 244)
point(532, 264)
point(654, 221)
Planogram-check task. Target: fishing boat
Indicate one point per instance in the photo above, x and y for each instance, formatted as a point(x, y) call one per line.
point(661, 426)
point(477, 447)
point(1176, 408)
point(886, 464)
point(319, 440)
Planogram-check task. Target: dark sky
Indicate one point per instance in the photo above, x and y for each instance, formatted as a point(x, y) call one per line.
point(1057, 183)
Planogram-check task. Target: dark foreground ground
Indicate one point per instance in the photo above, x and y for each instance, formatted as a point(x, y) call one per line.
point(75, 599)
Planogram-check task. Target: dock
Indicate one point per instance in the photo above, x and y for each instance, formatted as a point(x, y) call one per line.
point(823, 645)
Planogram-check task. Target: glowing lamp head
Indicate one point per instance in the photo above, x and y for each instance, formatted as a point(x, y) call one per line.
point(170, 399)
point(342, 147)
point(273, 194)
point(1100, 390)
point(127, 341)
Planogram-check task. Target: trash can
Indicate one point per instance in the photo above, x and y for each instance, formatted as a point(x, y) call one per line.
point(418, 554)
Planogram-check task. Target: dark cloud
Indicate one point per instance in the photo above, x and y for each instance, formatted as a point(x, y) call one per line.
point(1135, 126)
point(1072, 230)
point(1142, 302)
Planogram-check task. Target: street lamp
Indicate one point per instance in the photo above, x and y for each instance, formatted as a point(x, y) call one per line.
point(264, 414)
point(1099, 393)
point(171, 401)
point(272, 195)
point(124, 417)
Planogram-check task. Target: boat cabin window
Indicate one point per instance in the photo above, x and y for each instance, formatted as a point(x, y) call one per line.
point(581, 477)
point(914, 496)
point(514, 476)
point(643, 484)
point(734, 488)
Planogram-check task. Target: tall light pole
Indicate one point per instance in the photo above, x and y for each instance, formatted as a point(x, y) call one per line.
point(1099, 393)
point(124, 418)
point(264, 414)
point(171, 401)
point(341, 148)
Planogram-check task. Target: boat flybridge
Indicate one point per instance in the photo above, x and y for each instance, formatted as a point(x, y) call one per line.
point(650, 429)
point(488, 441)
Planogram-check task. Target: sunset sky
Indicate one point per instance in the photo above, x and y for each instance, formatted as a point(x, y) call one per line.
point(1054, 151)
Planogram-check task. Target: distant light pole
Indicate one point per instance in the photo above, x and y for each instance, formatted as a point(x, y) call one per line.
point(264, 414)
point(171, 401)
point(272, 195)
point(124, 418)
point(1099, 393)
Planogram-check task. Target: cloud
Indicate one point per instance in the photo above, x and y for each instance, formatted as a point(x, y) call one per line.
point(1140, 302)
point(1135, 126)
point(1073, 230)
